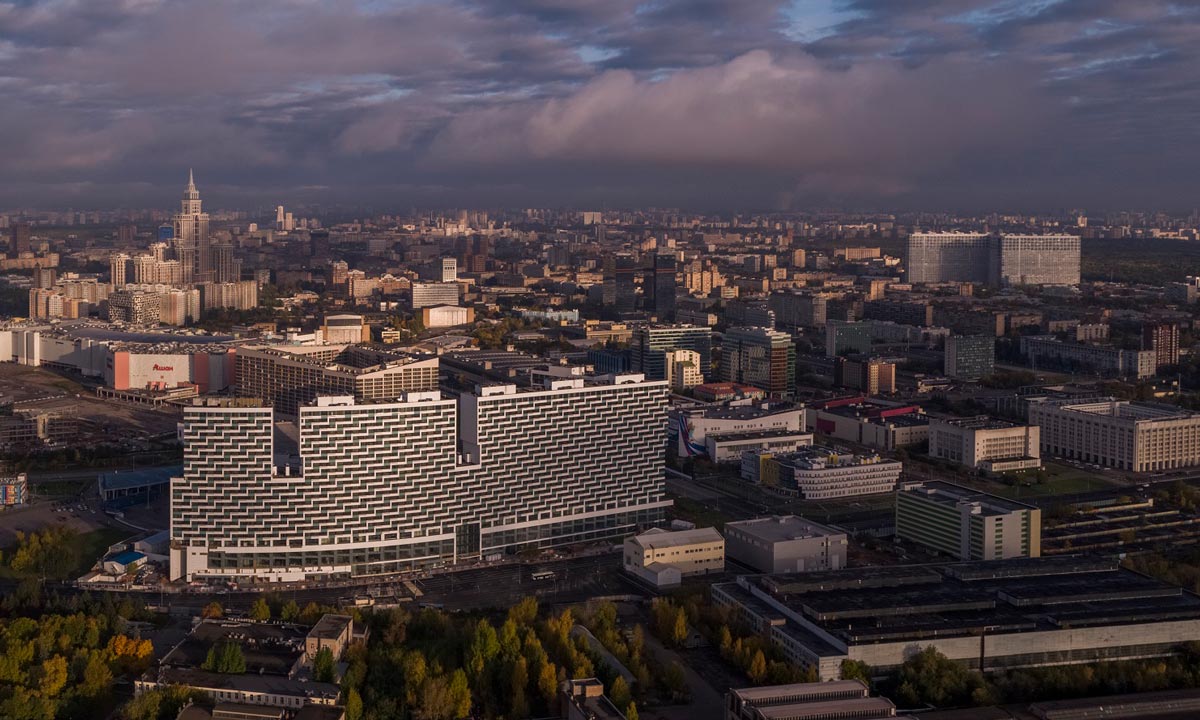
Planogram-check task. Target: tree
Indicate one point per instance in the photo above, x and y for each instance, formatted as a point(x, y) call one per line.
point(290, 611)
point(260, 611)
point(856, 670)
point(225, 657)
point(547, 682)
point(97, 678)
point(619, 692)
point(460, 695)
point(679, 631)
point(54, 675)
point(143, 707)
point(323, 665)
point(520, 680)
point(212, 611)
point(354, 705)
point(758, 668)
point(631, 712)
point(524, 612)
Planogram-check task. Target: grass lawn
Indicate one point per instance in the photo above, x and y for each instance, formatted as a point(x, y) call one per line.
point(692, 511)
point(92, 546)
point(1062, 480)
point(61, 488)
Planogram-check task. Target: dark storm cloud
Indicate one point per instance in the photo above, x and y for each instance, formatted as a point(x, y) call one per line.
point(702, 103)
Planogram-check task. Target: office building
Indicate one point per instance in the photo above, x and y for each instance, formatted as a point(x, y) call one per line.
point(1024, 612)
point(1038, 260)
point(1163, 339)
point(760, 357)
point(795, 310)
point(833, 700)
point(873, 376)
point(1053, 354)
point(949, 257)
point(903, 313)
point(651, 343)
point(134, 307)
point(1142, 437)
point(966, 524)
point(663, 558)
point(429, 294)
point(20, 239)
point(440, 270)
point(287, 377)
point(620, 283)
point(970, 357)
point(985, 444)
point(191, 238)
point(842, 337)
point(820, 473)
point(883, 426)
point(662, 287)
point(683, 369)
point(690, 427)
point(785, 544)
point(382, 487)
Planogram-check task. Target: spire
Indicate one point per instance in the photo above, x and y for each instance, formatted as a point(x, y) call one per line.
point(191, 181)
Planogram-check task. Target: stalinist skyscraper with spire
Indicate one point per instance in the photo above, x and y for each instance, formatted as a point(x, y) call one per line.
point(193, 247)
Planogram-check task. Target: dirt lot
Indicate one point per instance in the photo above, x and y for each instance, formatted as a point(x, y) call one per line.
point(44, 513)
point(35, 388)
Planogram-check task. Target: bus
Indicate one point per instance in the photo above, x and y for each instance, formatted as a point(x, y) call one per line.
point(543, 575)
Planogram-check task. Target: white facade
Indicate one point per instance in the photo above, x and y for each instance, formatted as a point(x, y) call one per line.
point(985, 444)
point(391, 486)
point(662, 558)
point(430, 294)
point(1141, 437)
point(438, 316)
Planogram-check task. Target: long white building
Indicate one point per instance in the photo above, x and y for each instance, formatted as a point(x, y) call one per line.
point(388, 486)
point(993, 259)
point(1142, 437)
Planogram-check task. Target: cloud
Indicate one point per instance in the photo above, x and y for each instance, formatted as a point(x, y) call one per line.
point(702, 103)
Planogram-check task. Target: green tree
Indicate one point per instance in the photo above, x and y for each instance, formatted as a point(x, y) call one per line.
point(520, 680)
point(290, 611)
point(524, 612)
point(97, 678)
point(354, 705)
point(225, 657)
point(459, 695)
point(143, 707)
point(856, 670)
point(619, 692)
point(323, 665)
point(547, 683)
point(260, 611)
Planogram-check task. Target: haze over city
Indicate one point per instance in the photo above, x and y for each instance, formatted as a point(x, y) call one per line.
point(713, 104)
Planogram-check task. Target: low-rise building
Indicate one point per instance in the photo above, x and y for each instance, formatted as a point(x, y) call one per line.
point(967, 524)
point(985, 444)
point(730, 447)
point(785, 543)
point(439, 316)
point(662, 558)
point(874, 424)
point(807, 701)
point(820, 473)
point(689, 428)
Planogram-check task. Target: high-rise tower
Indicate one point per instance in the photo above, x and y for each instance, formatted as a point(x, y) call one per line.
point(192, 245)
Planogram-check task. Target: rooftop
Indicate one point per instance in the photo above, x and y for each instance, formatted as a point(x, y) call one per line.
point(780, 528)
point(658, 538)
point(952, 495)
point(269, 684)
point(330, 627)
point(978, 422)
point(123, 479)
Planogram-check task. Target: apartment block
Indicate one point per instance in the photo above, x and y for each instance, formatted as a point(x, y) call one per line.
point(381, 487)
point(1051, 353)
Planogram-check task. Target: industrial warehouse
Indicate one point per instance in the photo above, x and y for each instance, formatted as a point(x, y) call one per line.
point(1011, 613)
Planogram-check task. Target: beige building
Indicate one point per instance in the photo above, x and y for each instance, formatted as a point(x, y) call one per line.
point(1142, 437)
point(438, 316)
point(985, 444)
point(683, 369)
point(662, 558)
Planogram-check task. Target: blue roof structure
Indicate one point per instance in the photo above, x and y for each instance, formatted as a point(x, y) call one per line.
point(127, 558)
point(123, 479)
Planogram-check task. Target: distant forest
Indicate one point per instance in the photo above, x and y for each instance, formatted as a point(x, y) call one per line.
point(1152, 262)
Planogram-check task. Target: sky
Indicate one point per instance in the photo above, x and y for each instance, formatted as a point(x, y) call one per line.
point(701, 104)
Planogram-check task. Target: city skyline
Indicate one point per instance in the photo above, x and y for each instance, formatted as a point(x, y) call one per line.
point(957, 104)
